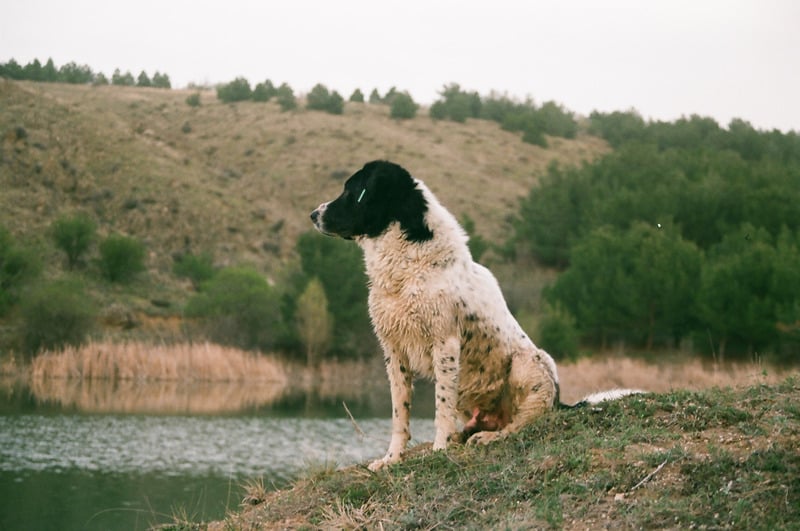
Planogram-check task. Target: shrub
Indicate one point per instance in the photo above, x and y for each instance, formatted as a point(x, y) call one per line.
point(320, 99)
point(357, 96)
point(236, 90)
point(17, 266)
point(558, 333)
point(239, 308)
point(197, 268)
point(73, 235)
point(121, 258)
point(285, 98)
point(403, 106)
point(264, 91)
point(193, 100)
point(55, 315)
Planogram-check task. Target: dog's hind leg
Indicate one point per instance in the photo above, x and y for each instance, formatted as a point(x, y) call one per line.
point(401, 388)
point(533, 393)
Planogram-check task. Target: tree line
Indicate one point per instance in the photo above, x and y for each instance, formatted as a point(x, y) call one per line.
point(79, 75)
point(687, 232)
point(320, 98)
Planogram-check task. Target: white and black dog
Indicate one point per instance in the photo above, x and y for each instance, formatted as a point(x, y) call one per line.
point(439, 314)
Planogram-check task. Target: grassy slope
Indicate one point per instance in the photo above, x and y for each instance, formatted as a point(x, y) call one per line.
point(720, 458)
point(241, 182)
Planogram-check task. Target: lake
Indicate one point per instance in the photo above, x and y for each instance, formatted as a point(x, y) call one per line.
point(74, 461)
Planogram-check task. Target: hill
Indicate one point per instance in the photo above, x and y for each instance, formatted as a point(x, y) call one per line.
point(716, 459)
point(234, 180)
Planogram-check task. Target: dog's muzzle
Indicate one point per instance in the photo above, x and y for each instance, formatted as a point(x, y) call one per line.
point(316, 217)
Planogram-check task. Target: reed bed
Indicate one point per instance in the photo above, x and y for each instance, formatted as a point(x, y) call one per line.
point(588, 375)
point(142, 362)
point(150, 397)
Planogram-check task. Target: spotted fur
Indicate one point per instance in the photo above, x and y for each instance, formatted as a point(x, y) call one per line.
point(437, 313)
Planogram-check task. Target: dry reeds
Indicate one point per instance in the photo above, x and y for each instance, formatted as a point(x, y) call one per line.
point(142, 362)
point(589, 375)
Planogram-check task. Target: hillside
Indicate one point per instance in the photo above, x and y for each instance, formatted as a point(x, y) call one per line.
point(716, 459)
point(235, 180)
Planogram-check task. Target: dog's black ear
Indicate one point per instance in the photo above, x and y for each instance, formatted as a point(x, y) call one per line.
point(396, 196)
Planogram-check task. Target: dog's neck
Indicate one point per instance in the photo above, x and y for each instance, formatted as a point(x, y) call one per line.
point(392, 261)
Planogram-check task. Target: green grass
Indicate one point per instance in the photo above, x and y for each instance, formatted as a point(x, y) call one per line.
point(720, 458)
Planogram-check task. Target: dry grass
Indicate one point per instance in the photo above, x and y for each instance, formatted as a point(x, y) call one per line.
point(599, 373)
point(159, 398)
point(142, 362)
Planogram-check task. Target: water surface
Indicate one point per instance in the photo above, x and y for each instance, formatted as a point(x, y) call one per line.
point(66, 468)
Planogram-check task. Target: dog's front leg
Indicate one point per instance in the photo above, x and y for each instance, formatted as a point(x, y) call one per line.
point(445, 370)
point(400, 385)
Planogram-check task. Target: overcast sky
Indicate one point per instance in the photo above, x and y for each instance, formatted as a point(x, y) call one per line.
point(665, 58)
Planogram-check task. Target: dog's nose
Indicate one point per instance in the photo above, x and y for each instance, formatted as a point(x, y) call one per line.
point(315, 216)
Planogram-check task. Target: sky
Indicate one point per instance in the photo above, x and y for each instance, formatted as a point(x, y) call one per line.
point(665, 58)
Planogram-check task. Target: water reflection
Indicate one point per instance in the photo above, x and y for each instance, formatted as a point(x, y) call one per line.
point(100, 455)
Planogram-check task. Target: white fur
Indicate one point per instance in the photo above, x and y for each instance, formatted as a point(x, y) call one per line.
point(427, 300)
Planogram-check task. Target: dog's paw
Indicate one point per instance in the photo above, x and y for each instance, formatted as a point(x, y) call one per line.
point(484, 437)
point(388, 459)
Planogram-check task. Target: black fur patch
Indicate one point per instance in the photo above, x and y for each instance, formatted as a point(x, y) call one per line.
point(374, 197)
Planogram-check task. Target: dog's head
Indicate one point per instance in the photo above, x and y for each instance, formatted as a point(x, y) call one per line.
point(377, 195)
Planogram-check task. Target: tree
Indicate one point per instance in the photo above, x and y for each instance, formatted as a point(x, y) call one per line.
point(264, 91)
point(403, 106)
point(339, 266)
point(314, 322)
point(636, 285)
point(121, 258)
point(236, 90)
point(375, 97)
point(55, 315)
point(143, 80)
point(357, 96)
point(239, 308)
point(73, 235)
point(17, 267)
point(124, 80)
point(161, 81)
point(197, 268)
point(285, 97)
point(321, 99)
point(736, 296)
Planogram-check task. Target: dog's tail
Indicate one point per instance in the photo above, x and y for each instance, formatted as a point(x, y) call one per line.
point(603, 396)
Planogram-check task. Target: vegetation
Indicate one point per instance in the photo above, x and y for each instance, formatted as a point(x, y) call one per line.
point(17, 267)
point(77, 74)
point(239, 308)
point(73, 235)
point(687, 232)
point(403, 107)
point(121, 258)
point(320, 99)
point(55, 315)
point(534, 122)
point(713, 459)
point(685, 220)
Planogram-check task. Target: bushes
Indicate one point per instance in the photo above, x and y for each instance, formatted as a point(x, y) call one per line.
point(236, 90)
point(55, 315)
point(403, 107)
point(73, 235)
point(238, 308)
point(320, 99)
point(17, 267)
point(121, 258)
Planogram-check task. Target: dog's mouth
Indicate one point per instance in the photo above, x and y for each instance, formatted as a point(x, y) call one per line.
point(316, 219)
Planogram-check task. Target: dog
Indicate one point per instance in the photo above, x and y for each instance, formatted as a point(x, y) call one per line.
point(438, 314)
